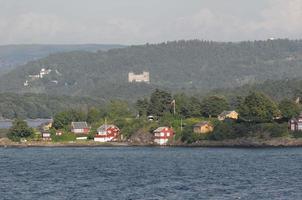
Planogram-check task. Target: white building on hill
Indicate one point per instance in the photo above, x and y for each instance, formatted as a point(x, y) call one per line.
point(144, 77)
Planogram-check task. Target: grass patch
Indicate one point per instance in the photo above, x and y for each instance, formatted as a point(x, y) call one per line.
point(65, 137)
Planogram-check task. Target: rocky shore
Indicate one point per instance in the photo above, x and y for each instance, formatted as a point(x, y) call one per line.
point(4, 142)
point(251, 142)
point(242, 142)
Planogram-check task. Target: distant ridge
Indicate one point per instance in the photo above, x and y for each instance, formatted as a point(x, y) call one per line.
point(14, 55)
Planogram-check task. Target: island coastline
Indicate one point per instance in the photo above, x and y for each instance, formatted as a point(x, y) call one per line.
point(234, 143)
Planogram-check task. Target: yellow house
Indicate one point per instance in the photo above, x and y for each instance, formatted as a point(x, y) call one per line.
point(203, 127)
point(46, 126)
point(228, 115)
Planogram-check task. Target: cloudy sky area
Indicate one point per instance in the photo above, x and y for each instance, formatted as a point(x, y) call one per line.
point(142, 21)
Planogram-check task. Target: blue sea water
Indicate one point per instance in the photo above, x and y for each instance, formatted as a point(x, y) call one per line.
point(150, 173)
point(34, 123)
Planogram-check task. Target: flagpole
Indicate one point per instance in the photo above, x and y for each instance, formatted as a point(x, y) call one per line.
point(180, 124)
point(174, 107)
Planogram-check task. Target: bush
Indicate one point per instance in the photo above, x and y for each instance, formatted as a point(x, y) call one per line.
point(233, 130)
point(297, 134)
point(19, 130)
point(187, 136)
point(130, 126)
point(223, 131)
point(277, 130)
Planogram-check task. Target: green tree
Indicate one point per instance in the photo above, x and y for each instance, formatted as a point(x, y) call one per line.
point(289, 109)
point(257, 107)
point(181, 104)
point(194, 107)
point(160, 103)
point(118, 109)
point(19, 130)
point(93, 115)
point(63, 119)
point(142, 107)
point(187, 106)
point(214, 105)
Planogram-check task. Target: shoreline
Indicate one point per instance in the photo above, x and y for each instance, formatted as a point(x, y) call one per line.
point(236, 143)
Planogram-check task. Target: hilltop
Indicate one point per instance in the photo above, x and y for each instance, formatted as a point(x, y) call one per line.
point(12, 56)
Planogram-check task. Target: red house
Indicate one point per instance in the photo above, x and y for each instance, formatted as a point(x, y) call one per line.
point(46, 136)
point(162, 135)
point(107, 133)
point(80, 128)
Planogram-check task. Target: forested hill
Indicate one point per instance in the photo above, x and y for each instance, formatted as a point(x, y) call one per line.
point(14, 55)
point(191, 65)
point(42, 106)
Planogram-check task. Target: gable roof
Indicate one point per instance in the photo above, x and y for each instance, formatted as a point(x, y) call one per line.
point(104, 127)
point(159, 129)
point(79, 125)
point(202, 124)
point(224, 113)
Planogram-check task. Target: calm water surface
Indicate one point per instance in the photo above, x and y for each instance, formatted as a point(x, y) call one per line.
point(150, 173)
point(34, 123)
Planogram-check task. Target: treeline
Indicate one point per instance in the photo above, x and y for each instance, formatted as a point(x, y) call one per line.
point(198, 66)
point(159, 103)
point(255, 107)
point(41, 106)
point(277, 90)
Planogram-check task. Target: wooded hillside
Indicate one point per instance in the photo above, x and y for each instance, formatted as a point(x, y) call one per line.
point(183, 65)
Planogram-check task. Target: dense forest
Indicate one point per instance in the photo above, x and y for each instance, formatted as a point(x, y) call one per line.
point(192, 66)
point(41, 106)
point(277, 89)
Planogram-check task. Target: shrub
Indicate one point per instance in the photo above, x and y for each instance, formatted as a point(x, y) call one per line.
point(297, 134)
point(277, 130)
point(19, 130)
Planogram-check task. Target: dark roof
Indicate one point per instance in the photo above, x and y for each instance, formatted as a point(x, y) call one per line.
point(104, 127)
point(224, 113)
point(202, 123)
point(159, 129)
point(79, 125)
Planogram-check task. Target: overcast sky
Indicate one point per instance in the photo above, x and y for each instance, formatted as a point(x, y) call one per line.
point(147, 21)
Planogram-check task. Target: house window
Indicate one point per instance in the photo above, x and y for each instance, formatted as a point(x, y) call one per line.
point(168, 134)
